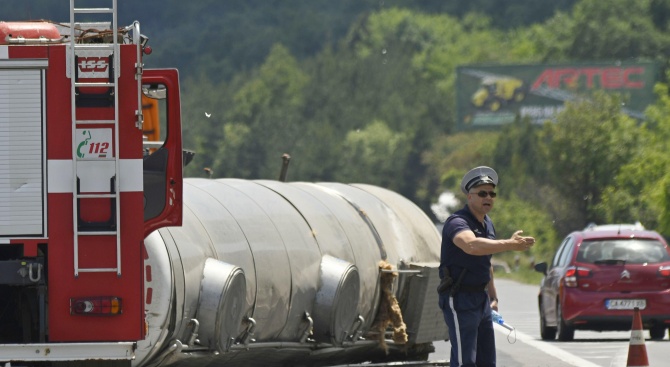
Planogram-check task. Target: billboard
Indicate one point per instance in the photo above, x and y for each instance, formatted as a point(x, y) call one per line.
point(493, 95)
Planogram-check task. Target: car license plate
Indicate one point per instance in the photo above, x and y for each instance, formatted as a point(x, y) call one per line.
point(625, 304)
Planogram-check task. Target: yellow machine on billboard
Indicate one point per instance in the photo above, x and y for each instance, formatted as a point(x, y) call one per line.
point(495, 92)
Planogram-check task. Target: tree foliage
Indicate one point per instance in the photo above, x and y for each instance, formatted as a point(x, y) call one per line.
point(375, 153)
point(513, 214)
point(265, 118)
point(586, 147)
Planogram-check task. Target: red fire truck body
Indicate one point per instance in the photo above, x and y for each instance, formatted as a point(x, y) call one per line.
point(95, 251)
point(73, 176)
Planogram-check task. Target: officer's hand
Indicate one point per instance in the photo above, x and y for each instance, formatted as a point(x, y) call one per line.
point(494, 304)
point(522, 243)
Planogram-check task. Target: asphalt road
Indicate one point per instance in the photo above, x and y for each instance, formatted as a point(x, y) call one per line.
point(524, 348)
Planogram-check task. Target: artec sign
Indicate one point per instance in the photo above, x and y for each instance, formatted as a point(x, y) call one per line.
point(494, 95)
point(605, 78)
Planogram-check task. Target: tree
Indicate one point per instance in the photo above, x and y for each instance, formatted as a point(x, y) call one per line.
point(511, 214)
point(586, 147)
point(268, 106)
point(376, 154)
point(518, 153)
point(604, 30)
point(203, 115)
point(640, 192)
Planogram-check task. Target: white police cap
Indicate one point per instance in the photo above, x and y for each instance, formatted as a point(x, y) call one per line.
point(479, 176)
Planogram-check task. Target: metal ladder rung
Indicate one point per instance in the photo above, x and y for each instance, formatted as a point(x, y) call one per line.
point(97, 233)
point(96, 196)
point(93, 10)
point(98, 270)
point(94, 85)
point(95, 122)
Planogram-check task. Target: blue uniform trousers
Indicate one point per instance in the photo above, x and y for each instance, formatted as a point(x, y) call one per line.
point(468, 316)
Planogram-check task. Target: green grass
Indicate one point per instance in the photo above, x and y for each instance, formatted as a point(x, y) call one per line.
point(523, 273)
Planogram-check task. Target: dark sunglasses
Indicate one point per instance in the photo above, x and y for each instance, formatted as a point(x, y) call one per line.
point(482, 194)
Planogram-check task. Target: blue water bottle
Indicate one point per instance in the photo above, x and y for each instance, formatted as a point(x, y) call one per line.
point(497, 318)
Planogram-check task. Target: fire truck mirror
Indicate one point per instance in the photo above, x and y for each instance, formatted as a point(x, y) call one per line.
point(155, 91)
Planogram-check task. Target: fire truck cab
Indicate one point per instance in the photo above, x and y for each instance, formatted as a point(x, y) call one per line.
point(81, 185)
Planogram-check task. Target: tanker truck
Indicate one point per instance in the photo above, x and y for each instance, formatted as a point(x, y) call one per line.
point(110, 257)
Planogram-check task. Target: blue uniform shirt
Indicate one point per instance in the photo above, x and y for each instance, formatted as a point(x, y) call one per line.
point(456, 259)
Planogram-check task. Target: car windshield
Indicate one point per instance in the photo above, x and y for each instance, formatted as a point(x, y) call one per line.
point(631, 251)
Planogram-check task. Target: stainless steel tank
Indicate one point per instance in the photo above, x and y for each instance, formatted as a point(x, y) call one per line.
point(273, 262)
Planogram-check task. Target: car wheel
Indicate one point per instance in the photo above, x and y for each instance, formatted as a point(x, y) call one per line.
point(546, 332)
point(565, 332)
point(657, 332)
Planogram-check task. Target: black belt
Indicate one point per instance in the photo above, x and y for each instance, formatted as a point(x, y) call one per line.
point(473, 288)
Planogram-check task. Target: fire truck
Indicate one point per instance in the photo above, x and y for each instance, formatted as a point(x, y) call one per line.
point(109, 257)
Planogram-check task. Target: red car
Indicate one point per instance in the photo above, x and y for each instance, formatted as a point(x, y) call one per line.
point(599, 275)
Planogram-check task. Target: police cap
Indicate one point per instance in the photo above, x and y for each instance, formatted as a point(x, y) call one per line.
point(479, 176)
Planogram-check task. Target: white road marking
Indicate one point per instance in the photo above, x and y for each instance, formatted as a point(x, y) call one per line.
point(546, 348)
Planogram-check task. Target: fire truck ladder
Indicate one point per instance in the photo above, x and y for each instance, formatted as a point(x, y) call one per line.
point(99, 50)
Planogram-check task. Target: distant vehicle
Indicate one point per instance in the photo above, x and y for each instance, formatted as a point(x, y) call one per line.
point(599, 275)
point(603, 227)
point(495, 92)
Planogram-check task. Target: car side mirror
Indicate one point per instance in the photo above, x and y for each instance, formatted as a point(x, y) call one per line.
point(541, 268)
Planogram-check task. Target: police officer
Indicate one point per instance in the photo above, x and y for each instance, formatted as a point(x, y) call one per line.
point(467, 292)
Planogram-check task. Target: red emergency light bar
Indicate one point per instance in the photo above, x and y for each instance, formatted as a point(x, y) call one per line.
point(98, 306)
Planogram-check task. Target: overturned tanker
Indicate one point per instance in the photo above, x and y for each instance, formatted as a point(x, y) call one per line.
point(274, 273)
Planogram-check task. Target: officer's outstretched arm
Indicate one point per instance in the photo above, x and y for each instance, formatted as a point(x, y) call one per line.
point(473, 245)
